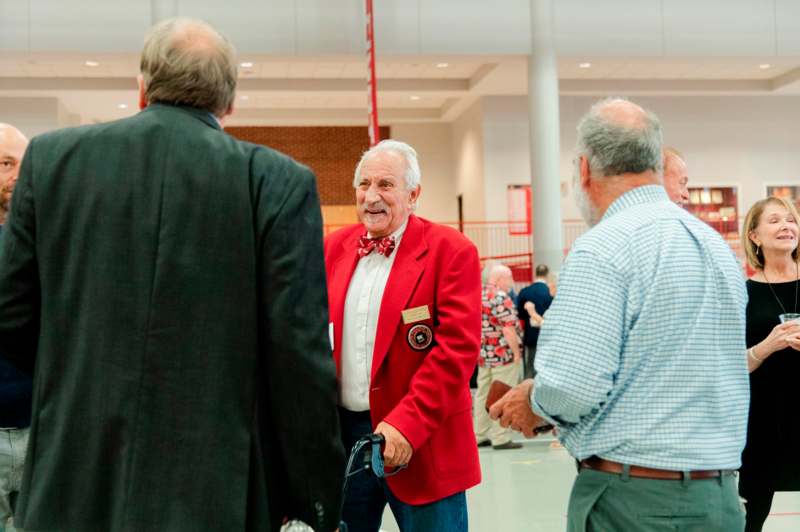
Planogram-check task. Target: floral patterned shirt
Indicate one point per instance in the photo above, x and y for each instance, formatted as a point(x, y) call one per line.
point(497, 311)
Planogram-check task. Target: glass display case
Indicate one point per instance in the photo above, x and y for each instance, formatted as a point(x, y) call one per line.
point(717, 206)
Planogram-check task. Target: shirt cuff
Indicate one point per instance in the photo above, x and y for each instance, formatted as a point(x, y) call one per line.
point(539, 411)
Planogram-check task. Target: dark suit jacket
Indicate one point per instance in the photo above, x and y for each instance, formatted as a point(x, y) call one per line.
point(539, 295)
point(165, 284)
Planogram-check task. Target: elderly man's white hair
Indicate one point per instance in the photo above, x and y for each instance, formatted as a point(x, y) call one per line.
point(412, 176)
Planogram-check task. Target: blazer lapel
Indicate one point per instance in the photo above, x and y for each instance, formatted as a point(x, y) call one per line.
point(402, 281)
point(343, 270)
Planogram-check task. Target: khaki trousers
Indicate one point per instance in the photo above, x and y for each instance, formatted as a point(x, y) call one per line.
point(485, 428)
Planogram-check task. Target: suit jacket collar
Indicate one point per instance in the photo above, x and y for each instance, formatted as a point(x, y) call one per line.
point(200, 114)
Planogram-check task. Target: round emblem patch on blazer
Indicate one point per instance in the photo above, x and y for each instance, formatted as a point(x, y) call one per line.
point(420, 337)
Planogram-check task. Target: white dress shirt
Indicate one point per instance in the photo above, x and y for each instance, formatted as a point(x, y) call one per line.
point(361, 309)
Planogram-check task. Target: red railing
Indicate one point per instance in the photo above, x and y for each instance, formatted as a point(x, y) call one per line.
point(500, 241)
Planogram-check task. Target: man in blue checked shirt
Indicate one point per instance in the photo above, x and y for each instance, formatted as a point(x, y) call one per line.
point(640, 363)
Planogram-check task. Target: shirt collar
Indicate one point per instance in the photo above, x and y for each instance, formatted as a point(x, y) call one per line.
point(397, 234)
point(636, 196)
point(204, 116)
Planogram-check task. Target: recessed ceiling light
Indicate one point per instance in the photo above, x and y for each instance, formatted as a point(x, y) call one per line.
point(244, 97)
point(415, 97)
point(442, 65)
point(584, 65)
point(246, 64)
point(123, 106)
point(91, 63)
point(764, 66)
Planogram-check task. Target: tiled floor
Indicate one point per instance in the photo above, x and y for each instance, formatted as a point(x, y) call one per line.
point(527, 490)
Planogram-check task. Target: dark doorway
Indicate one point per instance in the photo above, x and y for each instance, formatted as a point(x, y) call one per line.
point(460, 198)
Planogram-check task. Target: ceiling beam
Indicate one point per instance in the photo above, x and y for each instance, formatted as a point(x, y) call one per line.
point(664, 86)
point(261, 84)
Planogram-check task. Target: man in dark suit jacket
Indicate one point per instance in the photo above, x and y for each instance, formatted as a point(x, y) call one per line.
point(167, 284)
point(538, 294)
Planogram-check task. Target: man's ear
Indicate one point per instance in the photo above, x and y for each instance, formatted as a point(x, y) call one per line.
point(585, 172)
point(142, 97)
point(414, 196)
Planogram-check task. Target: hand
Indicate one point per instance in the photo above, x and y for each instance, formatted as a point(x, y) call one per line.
point(535, 319)
point(794, 342)
point(514, 410)
point(779, 338)
point(397, 451)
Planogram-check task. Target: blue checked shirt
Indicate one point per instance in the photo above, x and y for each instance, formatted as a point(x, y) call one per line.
point(641, 359)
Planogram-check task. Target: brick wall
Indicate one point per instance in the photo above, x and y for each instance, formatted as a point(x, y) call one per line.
point(331, 152)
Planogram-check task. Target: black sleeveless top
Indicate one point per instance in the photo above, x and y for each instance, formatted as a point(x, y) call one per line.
point(771, 459)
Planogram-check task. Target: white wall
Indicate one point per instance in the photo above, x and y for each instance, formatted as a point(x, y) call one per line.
point(747, 141)
point(432, 142)
point(33, 116)
point(467, 149)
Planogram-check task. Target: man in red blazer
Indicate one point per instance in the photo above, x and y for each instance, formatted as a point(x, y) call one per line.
point(405, 302)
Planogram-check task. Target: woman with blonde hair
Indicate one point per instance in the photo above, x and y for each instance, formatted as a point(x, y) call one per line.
point(770, 461)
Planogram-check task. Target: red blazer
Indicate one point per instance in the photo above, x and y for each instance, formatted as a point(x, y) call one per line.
point(421, 390)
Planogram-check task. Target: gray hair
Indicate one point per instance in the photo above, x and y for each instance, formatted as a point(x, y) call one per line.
point(614, 149)
point(187, 62)
point(412, 176)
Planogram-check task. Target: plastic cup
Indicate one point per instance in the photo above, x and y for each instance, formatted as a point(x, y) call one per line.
point(789, 316)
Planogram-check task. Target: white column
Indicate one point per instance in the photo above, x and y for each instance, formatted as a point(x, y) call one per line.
point(544, 137)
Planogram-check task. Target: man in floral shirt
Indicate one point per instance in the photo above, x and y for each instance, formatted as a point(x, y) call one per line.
point(501, 354)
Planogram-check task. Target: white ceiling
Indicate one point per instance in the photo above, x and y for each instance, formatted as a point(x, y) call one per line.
point(332, 90)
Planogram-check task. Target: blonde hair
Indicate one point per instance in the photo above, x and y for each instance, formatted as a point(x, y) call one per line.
point(187, 62)
point(755, 257)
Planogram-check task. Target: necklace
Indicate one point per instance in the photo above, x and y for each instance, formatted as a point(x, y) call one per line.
point(796, 279)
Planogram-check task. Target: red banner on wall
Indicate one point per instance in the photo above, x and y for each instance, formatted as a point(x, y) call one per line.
point(372, 88)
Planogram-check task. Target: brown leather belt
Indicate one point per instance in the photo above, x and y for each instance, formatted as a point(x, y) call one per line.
point(607, 466)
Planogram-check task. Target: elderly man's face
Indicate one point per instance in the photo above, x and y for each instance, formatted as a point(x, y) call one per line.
point(12, 148)
point(505, 282)
point(382, 198)
point(676, 179)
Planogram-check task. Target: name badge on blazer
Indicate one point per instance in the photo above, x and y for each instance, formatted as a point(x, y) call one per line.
point(413, 315)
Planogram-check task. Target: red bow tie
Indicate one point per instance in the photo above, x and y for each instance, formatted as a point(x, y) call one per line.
point(384, 245)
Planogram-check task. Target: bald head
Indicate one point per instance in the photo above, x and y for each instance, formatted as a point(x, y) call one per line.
point(12, 147)
point(11, 135)
point(622, 113)
point(676, 176)
point(187, 62)
point(500, 276)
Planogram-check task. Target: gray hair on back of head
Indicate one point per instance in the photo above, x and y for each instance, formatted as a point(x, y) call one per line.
point(412, 176)
point(187, 62)
point(614, 149)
